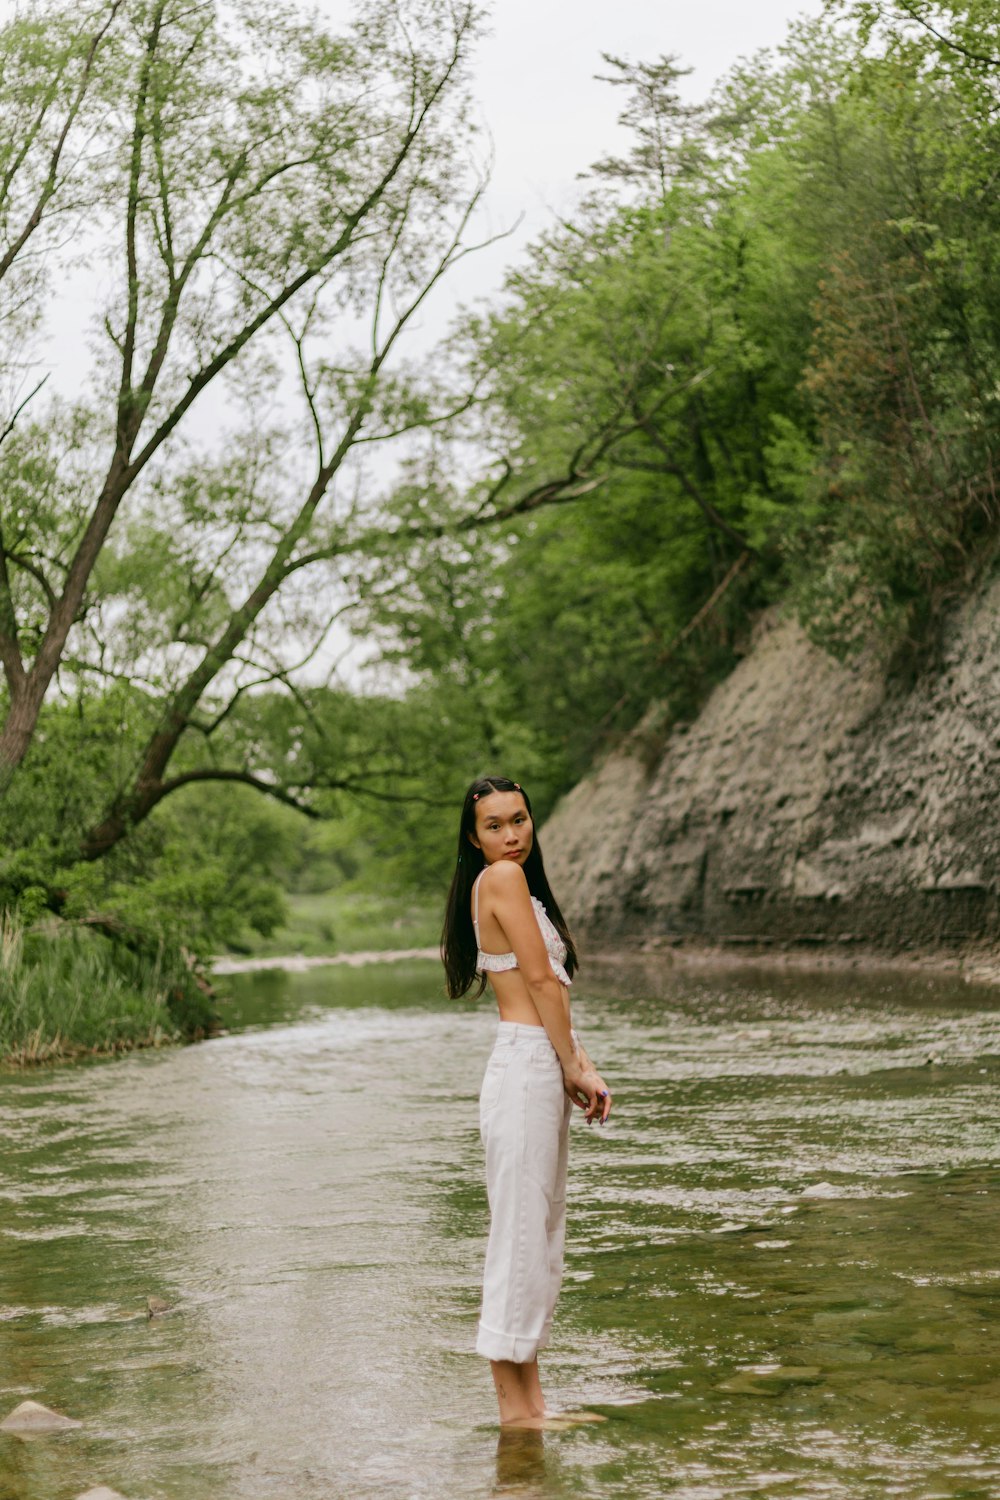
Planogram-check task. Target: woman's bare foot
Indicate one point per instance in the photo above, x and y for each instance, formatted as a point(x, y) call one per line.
point(570, 1418)
point(543, 1421)
point(552, 1421)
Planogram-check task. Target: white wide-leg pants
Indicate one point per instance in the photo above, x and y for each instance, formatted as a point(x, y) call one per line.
point(524, 1117)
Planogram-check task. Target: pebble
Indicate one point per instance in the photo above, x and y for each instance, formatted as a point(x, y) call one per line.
point(156, 1307)
point(31, 1416)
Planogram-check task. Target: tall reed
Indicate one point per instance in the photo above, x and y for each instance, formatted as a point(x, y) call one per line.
point(65, 991)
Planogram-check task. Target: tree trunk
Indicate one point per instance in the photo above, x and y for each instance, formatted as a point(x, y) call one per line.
point(18, 729)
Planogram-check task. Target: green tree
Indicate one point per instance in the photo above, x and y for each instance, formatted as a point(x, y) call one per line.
point(763, 345)
point(261, 177)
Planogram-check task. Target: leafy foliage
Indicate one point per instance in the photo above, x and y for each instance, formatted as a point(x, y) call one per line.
point(763, 348)
point(756, 366)
point(66, 991)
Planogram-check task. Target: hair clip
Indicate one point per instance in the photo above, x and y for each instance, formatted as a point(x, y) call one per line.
point(475, 796)
point(517, 786)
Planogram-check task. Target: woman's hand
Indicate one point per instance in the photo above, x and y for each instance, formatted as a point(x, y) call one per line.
point(587, 1088)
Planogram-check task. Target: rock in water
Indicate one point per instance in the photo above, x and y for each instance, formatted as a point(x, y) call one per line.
point(100, 1493)
point(820, 1190)
point(156, 1307)
point(764, 1380)
point(32, 1417)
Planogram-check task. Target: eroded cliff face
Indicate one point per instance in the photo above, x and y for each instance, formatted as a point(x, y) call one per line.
point(809, 801)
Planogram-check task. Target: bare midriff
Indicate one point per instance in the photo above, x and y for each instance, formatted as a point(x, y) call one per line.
point(514, 1001)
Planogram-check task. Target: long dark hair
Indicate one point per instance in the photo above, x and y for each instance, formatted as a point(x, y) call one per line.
point(458, 939)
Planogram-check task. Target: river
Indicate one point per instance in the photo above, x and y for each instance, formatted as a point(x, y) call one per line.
point(783, 1258)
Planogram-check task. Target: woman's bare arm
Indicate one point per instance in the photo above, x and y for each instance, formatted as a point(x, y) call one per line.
point(510, 902)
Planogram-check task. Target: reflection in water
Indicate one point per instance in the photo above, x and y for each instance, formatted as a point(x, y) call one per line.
point(520, 1461)
point(783, 1255)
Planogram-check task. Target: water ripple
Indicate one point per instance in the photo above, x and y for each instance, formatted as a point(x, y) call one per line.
point(782, 1263)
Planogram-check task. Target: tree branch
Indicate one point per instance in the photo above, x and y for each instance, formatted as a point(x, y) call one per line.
point(209, 371)
point(243, 778)
point(126, 399)
point(947, 41)
point(51, 179)
point(682, 635)
point(29, 566)
point(125, 465)
point(282, 564)
point(670, 466)
point(5, 434)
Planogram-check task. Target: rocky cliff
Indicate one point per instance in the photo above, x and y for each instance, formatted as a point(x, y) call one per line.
point(808, 802)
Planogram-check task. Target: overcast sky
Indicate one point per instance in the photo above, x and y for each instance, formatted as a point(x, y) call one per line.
point(550, 118)
point(547, 115)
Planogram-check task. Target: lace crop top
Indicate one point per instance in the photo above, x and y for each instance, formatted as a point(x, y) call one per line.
point(497, 963)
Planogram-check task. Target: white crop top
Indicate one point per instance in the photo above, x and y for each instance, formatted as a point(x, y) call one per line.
point(497, 963)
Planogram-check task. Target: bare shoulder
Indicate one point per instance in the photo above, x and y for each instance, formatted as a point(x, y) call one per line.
point(505, 877)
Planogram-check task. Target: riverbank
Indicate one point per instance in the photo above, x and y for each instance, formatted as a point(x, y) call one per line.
point(977, 964)
point(67, 1013)
point(323, 923)
point(824, 804)
point(301, 963)
point(68, 992)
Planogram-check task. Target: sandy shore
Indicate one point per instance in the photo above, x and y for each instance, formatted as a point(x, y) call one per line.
point(297, 963)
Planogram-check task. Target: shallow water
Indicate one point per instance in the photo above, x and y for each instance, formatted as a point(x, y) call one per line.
point(306, 1191)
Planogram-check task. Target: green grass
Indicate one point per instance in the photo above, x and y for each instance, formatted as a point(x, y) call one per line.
point(351, 922)
point(66, 992)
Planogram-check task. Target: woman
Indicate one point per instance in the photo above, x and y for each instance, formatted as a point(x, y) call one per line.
point(503, 921)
